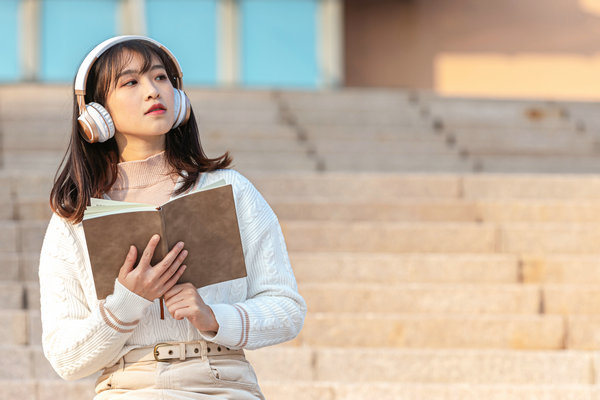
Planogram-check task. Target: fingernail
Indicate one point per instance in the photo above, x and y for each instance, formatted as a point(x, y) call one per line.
point(156, 237)
point(185, 252)
point(180, 245)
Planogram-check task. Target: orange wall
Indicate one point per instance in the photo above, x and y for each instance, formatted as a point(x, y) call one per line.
point(490, 48)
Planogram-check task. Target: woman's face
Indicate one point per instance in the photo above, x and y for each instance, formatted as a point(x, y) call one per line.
point(141, 104)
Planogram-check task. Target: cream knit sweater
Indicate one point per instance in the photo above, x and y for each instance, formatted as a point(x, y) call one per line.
point(82, 335)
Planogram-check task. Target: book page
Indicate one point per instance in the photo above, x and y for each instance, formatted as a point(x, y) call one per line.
point(101, 207)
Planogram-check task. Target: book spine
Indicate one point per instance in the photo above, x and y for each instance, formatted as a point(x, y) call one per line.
point(164, 240)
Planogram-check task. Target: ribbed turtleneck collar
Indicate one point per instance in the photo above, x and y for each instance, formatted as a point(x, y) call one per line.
point(143, 173)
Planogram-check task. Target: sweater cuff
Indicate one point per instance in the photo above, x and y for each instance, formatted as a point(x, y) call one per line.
point(231, 326)
point(126, 306)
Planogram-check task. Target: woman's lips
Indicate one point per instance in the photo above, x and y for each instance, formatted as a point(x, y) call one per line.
point(157, 111)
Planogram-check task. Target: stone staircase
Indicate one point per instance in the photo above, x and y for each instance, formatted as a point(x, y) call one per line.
point(438, 285)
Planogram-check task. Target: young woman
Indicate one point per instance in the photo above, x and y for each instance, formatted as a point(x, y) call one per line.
point(135, 138)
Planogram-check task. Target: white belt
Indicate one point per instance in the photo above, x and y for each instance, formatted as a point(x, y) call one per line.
point(178, 351)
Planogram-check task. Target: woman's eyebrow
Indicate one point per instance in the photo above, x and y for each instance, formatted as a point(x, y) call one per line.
point(136, 71)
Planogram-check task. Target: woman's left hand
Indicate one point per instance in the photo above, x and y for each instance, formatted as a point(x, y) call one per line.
point(183, 301)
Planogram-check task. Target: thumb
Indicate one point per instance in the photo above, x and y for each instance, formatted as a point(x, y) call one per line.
point(129, 263)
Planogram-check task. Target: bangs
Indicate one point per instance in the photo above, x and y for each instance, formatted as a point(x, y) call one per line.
point(106, 70)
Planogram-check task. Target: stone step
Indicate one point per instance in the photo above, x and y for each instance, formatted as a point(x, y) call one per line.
point(412, 298)
point(401, 209)
point(263, 116)
point(571, 299)
point(532, 186)
point(360, 365)
point(560, 269)
point(316, 390)
point(549, 238)
point(46, 389)
point(13, 267)
point(487, 112)
point(405, 148)
point(244, 131)
point(428, 298)
point(391, 118)
point(531, 144)
point(445, 331)
point(385, 298)
point(36, 134)
point(16, 328)
point(259, 146)
point(589, 164)
point(417, 163)
point(32, 161)
point(392, 268)
point(372, 187)
point(390, 237)
point(377, 133)
point(234, 98)
point(448, 210)
point(407, 391)
point(349, 99)
point(13, 294)
point(9, 242)
point(389, 330)
point(313, 267)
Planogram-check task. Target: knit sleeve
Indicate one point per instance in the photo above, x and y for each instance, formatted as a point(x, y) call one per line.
point(78, 338)
point(274, 311)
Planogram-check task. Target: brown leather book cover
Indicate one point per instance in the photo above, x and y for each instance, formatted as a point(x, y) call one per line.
point(206, 221)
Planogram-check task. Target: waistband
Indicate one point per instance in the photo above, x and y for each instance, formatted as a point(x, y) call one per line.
point(178, 351)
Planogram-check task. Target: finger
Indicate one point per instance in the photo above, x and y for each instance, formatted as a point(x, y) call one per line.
point(149, 251)
point(173, 280)
point(166, 262)
point(180, 311)
point(129, 263)
point(168, 273)
point(173, 291)
point(177, 298)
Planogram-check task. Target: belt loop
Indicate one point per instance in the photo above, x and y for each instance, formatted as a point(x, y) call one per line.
point(203, 349)
point(122, 363)
point(182, 351)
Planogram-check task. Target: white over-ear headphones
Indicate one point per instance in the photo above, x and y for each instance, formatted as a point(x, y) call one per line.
point(94, 119)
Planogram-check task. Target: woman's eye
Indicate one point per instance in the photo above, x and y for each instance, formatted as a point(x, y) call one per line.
point(161, 77)
point(130, 83)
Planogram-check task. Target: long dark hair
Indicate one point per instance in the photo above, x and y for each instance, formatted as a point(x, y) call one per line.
point(89, 170)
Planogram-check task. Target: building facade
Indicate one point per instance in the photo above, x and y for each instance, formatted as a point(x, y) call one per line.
point(253, 43)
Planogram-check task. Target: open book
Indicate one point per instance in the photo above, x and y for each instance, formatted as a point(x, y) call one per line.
point(205, 220)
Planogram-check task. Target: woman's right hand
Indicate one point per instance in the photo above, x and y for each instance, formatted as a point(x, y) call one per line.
point(148, 281)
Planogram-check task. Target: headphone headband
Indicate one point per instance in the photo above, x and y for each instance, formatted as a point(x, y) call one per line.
point(94, 120)
point(90, 59)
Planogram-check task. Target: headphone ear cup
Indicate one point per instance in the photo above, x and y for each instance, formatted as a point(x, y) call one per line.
point(96, 123)
point(182, 108)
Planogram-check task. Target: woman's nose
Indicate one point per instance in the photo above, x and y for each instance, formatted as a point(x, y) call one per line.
point(151, 89)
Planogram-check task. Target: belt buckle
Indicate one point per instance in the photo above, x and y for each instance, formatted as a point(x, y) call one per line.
point(155, 352)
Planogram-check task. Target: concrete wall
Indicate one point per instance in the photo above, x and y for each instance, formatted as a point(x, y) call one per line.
point(497, 48)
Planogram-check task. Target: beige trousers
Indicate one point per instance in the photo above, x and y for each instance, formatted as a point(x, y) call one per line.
point(208, 377)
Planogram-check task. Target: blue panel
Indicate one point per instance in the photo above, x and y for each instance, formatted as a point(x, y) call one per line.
point(279, 43)
point(70, 29)
point(189, 29)
point(9, 17)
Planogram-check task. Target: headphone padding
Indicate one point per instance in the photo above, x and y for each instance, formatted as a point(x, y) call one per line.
point(181, 107)
point(104, 123)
